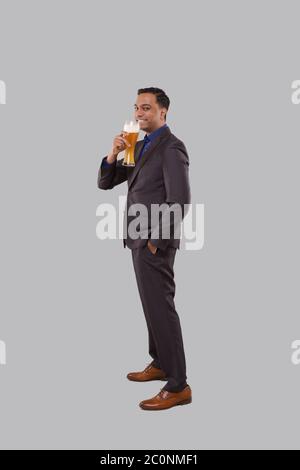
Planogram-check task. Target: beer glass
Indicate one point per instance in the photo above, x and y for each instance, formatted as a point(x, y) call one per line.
point(130, 132)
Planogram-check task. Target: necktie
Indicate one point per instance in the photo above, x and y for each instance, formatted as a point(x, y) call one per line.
point(145, 145)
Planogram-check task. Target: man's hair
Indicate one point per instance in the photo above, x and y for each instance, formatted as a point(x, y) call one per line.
point(161, 98)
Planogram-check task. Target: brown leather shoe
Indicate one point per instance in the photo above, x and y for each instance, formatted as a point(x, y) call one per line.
point(165, 399)
point(149, 373)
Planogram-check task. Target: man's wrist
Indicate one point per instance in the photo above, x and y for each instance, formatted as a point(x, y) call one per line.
point(152, 246)
point(111, 157)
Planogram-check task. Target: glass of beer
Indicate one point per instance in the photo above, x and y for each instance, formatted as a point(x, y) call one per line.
point(130, 132)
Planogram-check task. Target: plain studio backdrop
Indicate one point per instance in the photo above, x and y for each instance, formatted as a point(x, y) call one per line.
point(71, 317)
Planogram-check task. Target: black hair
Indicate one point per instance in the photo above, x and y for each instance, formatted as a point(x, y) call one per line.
point(162, 99)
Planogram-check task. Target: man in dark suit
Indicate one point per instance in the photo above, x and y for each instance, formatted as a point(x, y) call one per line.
point(160, 177)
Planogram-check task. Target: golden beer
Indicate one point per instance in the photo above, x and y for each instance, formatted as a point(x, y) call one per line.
point(130, 132)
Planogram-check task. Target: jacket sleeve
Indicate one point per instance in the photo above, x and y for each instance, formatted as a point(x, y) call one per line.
point(111, 174)
point(177, 186)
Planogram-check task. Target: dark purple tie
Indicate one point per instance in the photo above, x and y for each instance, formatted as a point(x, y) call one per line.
point(145, 145)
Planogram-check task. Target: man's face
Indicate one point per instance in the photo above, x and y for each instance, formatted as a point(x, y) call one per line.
point(147, 111)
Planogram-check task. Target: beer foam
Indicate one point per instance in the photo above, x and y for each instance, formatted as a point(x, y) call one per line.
point(131, 126)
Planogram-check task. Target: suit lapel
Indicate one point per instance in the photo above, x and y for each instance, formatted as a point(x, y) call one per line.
point(140, 162)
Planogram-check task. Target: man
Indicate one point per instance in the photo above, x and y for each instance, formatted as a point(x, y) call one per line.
point(160, 176)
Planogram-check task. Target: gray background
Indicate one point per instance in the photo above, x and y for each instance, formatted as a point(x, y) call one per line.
point(70, 312)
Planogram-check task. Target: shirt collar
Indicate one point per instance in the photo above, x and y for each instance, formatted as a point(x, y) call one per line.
point(154, 134)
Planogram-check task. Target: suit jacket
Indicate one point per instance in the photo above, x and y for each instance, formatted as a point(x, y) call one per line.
point(159, 177)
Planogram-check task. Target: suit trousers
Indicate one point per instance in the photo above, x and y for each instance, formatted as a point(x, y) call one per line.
point(155, 280)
